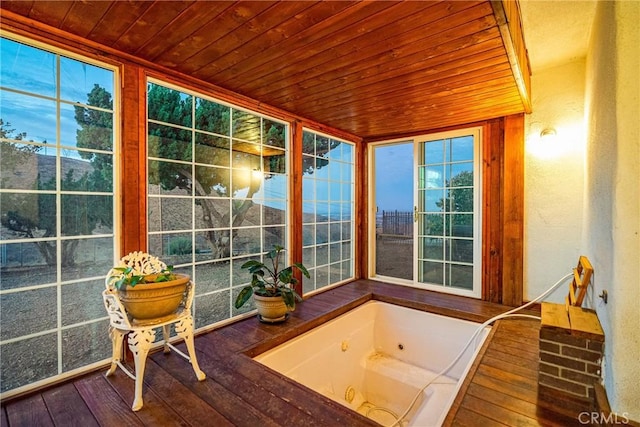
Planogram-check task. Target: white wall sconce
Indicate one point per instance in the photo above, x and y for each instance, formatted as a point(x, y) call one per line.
point(548, 134)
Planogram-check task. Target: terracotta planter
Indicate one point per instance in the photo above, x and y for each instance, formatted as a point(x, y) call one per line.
point(271, 309)
point(154, 300)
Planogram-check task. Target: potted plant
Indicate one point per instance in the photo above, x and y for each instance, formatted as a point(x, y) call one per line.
point(147, 288)
point(271, 287)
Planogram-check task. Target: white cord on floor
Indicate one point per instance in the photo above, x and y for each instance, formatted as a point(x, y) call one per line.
point(477, 331)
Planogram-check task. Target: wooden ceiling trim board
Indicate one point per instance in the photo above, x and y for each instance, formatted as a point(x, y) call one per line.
point(148, 25)
point(326, 49)
point(508, 18)
point(439, 104)
point(485, 100)
point(24, 8)
point(108, 30)
point(83, 16)
point(401, 88)
point(183, 29)
point(460, 50)
point(273, 56)
point(417, 132)
point(363, 73)
point(437, 122)
point(214, 38)
point(275, 37)
point(400, 92)
point(51, 12)
point(422, 101)
point(334, 69)
point(433, 80)
point(256, 29)
point(328, 62)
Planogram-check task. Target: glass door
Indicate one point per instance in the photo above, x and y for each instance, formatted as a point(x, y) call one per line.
point(427, 196)
point(394, 216)
point(448, 210)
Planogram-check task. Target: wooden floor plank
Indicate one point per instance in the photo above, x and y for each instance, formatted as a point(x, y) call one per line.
point(31, 411)
point(193, 409)
point(527, 409)
point(154, 411)
point(508, 377)
point(67, 408)
point(467, 418)
point(497, 413)
point(224, 400)
point(104, 403)
point(518, 344)
point(519, 361)
point(515, 352)
point(509, 367)
point(500, 390)
point(523, 393)
point(4, 419)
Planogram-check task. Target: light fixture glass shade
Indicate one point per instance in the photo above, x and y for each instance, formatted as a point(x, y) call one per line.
point(548, 133)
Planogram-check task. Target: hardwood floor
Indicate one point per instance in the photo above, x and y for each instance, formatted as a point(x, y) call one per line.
point(501, 388)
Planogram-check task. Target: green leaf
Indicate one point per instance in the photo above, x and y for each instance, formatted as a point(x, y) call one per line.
point(272, 254)
point(257, 280)
point(303, 269)
point(286, 275)
point(288, 297)
point(243, 296)
point(251, 263)
point(257, 269)
point(135, 280)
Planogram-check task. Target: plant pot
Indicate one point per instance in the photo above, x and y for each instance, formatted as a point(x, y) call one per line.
point(271, 309)
point(147, 301)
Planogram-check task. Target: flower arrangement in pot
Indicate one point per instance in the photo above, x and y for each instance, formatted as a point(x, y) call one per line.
point(147, 287)
point(271, 286)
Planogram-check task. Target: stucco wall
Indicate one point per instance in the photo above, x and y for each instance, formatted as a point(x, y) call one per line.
point(554, 178)
point(612, 203)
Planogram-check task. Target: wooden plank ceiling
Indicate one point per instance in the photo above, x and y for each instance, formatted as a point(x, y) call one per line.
point(372, 68)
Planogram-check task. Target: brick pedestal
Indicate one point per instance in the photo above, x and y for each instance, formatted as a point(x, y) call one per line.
point(571, 349)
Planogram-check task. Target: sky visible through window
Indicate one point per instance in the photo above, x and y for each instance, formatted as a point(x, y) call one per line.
point(394, 177)
point(32, 70)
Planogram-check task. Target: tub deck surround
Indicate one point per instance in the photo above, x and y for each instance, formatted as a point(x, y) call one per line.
point(500, 389)
point(376, 358)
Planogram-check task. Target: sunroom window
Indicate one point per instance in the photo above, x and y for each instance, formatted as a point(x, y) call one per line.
point(328, 206)
point(57, 209)
point(217, 192)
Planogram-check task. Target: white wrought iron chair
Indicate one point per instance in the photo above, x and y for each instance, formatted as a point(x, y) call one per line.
point(141, 334)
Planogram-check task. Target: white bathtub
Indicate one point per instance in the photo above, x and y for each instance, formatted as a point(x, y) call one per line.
point(375, 359)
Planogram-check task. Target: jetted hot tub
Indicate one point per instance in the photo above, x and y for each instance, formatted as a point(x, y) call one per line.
point(376, 358)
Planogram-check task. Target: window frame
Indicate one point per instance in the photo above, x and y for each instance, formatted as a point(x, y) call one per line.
point(477, 132)
point(191, 266)
point(115, 234)
point(352, 231)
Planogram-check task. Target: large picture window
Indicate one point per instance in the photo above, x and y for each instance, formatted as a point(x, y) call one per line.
point(217, 192)
point(328, 206)
point(57, 204)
